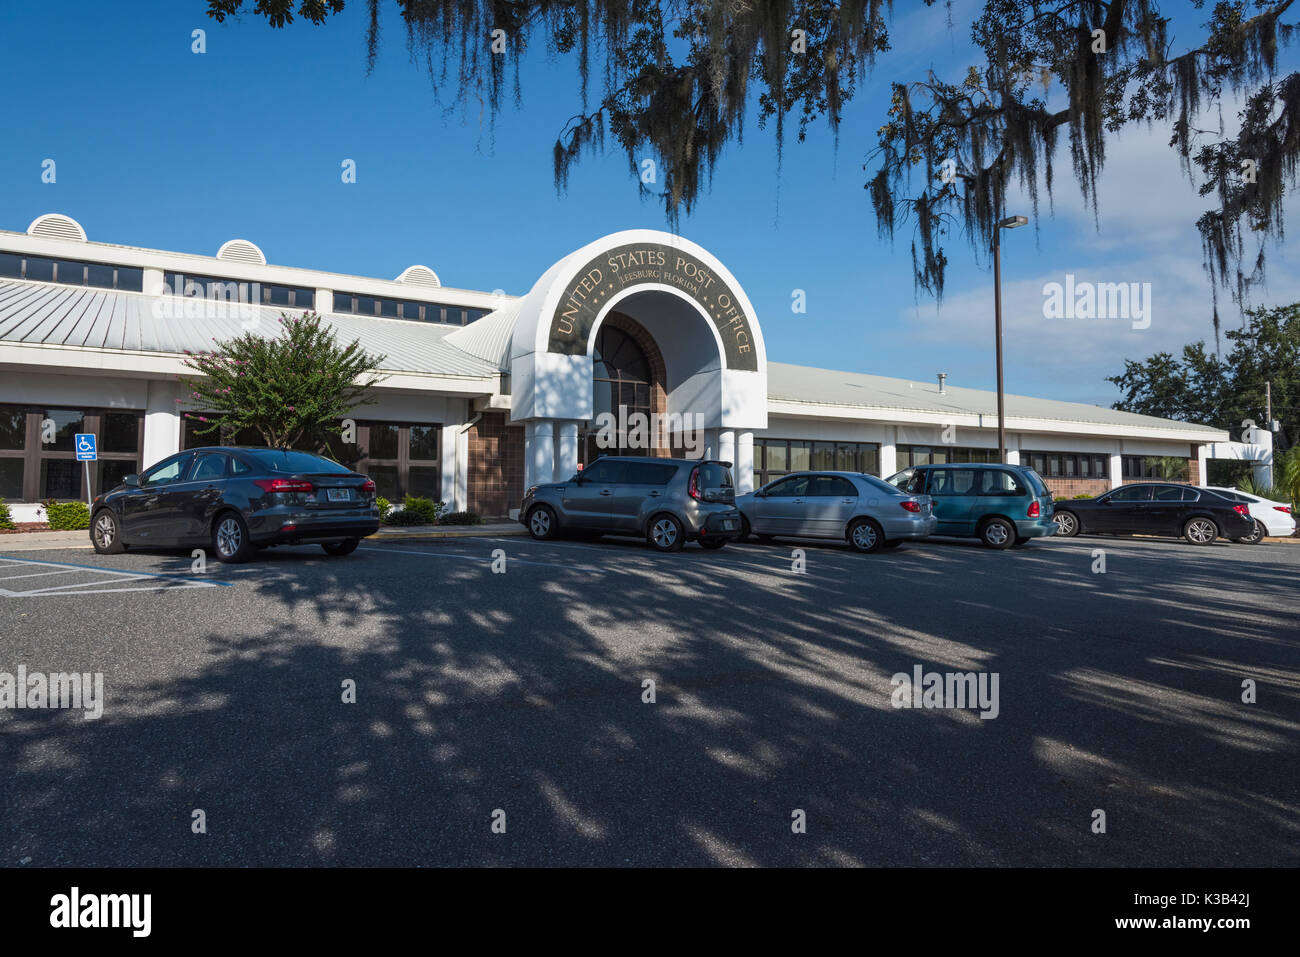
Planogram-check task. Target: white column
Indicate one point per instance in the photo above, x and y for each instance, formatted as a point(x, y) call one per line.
point(459, 500)
point(566, 454)
point(889, 452)
point(1116, 471)
point(727, 445)
point(743, 473)
point(324, 300)
point(539, 451)
point(162, 423)
point(1013, 448)
point(452, 462)
point(1202, 459)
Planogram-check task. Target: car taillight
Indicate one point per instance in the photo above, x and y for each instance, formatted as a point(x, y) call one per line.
point(911, 506)
point(1241, 510)
point(693, 488)
point(368, 486)
point(1033, 509)
point(1282, 508)
point(284, 485)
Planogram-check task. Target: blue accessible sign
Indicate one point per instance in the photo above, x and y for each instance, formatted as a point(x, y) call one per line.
point(86, 451)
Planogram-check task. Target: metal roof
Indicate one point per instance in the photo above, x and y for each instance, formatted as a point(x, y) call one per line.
point(826, 387)
point(489, 338)
point(38, 313)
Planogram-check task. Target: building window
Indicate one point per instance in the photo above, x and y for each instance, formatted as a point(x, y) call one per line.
point(913, 455)
point(356, 304)
point(71, 272)
point(776, 457)
point(621, 384)
point(1167, 468)
point(402, 459)
point(32, 469)
point(1068, 464)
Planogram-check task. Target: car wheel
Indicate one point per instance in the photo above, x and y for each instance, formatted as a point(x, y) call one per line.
point(665, 534)
point(345, 547)
point(1200, 531)
point(712, 543)
point(866, 536)
point(745, 530)
point(542, 524)
point(230, 538)
point(997, 533)
point(105, 534)
point(1067, 524)
point(1255, 537)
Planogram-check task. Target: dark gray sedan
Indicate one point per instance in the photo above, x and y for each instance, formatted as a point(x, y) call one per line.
point(850, 506)
point(234, 500)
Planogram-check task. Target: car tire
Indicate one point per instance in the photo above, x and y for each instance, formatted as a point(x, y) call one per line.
point(345, 547)
point(106, 533)
point(1067, 524)
point(664, 533)
point(1200, 530)
point(713, 544)
point(230, 538)
point(997, 533)
point(865, 536)
point(1255, 537)
point(745, 530)
point(542, 524)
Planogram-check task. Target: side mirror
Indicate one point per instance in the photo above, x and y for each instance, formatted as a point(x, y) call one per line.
point(578, 477)
point(133, 481)
point(760, 493)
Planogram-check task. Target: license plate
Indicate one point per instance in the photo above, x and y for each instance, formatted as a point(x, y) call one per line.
point(729, 525)
point(338, 494)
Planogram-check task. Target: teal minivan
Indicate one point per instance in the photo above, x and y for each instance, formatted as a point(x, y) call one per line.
point(1001, 505)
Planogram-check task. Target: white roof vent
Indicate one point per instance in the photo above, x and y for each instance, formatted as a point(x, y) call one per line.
point(55, 226)
point(419, 276)
point(241, 251)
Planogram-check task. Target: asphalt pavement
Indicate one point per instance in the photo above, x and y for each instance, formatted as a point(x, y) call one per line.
point(502, 714)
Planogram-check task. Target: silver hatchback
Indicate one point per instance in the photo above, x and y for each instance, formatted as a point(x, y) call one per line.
point(850, 506)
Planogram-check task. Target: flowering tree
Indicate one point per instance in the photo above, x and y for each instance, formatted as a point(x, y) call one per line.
point(290, 388)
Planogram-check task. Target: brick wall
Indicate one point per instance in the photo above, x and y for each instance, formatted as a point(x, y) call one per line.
point(1062, 488)
point(496, 465)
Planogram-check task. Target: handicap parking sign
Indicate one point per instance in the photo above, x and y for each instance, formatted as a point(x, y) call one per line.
point(86, 447)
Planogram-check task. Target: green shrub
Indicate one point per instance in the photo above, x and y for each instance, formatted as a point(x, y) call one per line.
point(403, 517)
point(6, 519)
point(426, 508)
point(384, 506)
point(67, 516)
point(1082, 496)
point(460, 518)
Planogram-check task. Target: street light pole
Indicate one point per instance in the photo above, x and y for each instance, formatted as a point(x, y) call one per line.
point(1011, 222)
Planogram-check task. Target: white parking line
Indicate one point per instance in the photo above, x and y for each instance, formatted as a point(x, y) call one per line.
point(164, 581)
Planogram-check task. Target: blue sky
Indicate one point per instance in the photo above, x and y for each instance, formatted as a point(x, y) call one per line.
point(157, 146)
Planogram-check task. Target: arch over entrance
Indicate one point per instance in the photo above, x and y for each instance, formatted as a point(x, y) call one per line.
point(693, 312)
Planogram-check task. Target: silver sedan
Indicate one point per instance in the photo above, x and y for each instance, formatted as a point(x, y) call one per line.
point(851, 506)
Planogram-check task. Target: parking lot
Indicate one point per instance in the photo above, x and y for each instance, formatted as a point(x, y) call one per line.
point(522, 689)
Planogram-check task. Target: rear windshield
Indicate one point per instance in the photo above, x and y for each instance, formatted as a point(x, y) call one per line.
point(295, 463)
point(713, 475)
point(1035, 481)
point(880, 484)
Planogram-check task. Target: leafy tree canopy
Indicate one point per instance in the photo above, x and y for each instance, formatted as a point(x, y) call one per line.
point(289, 388)
point(676, 77)
point(1202, 387)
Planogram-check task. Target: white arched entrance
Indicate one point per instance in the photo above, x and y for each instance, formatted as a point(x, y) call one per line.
point(715, 363)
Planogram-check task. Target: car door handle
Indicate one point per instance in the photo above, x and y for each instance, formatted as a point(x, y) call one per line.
point(606, 491)
point(848, 501)
point(796, 501)
point(654, 494)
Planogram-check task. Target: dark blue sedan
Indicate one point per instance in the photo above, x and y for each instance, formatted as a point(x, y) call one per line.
point(235, 500)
